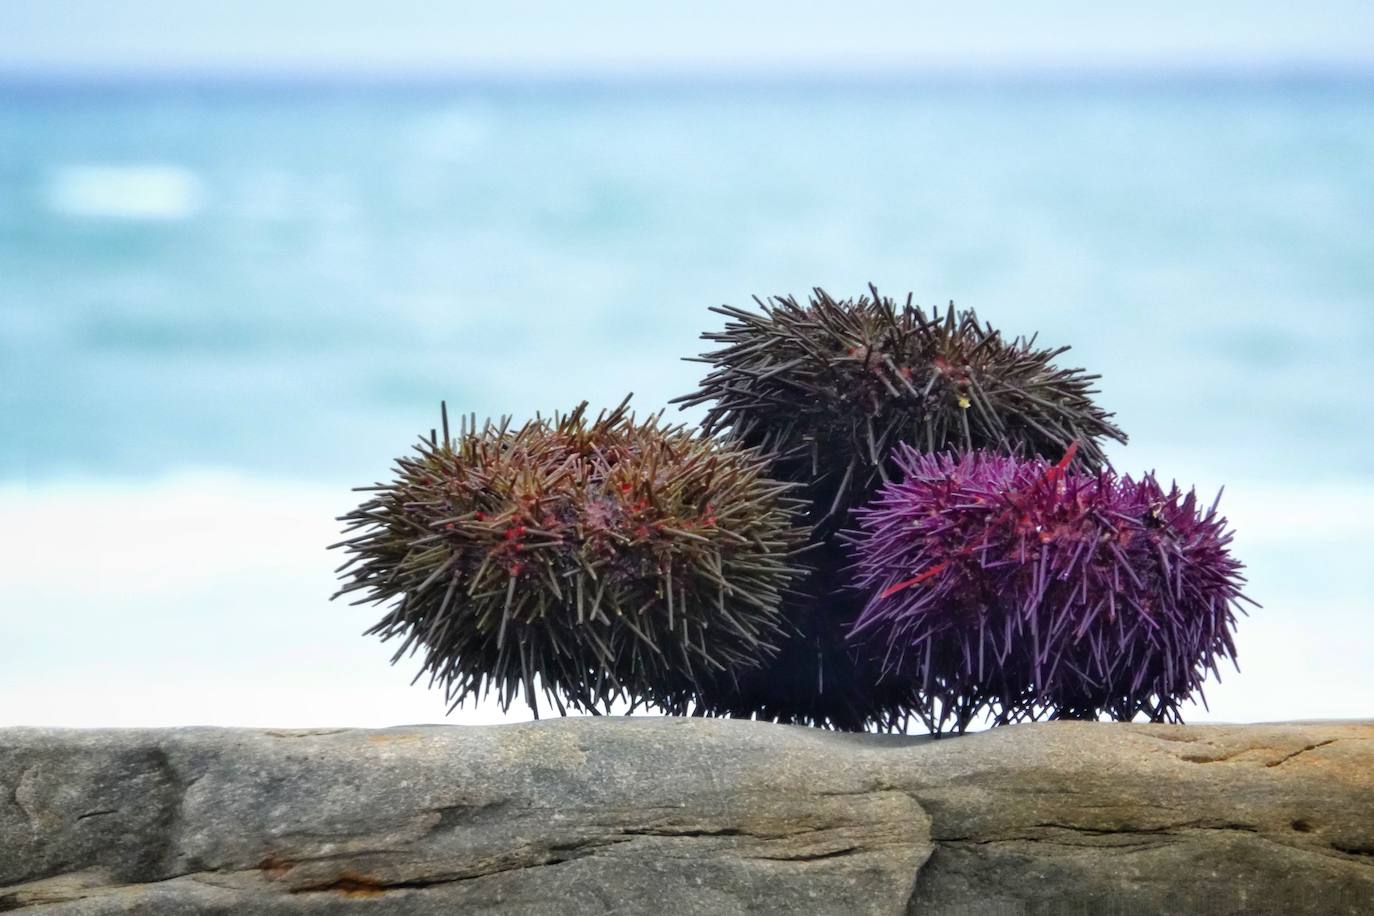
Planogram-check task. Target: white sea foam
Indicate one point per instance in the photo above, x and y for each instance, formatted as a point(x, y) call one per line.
point(135, 192)
point(202, 598)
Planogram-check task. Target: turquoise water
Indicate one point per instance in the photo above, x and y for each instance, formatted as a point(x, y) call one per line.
point(288, 282)
point(221, 307)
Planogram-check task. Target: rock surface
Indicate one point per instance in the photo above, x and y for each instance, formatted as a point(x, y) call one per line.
point(670, 816)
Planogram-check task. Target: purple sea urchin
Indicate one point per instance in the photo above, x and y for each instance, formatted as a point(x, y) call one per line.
point(607, 558)
point(827, 390)
point(1025, 588)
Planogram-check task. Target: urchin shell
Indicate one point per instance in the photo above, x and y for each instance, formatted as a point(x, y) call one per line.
point(815, 678)
point(831, 387)
point(603, 559)
point(1023, 588)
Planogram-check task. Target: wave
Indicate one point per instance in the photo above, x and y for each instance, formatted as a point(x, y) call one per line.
point(131, 192)
point(202, 597)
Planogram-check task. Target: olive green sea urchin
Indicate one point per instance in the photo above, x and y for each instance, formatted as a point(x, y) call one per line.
point(606, 558)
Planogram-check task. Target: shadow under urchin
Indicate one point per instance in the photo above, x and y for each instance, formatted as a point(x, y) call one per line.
point(827, 390)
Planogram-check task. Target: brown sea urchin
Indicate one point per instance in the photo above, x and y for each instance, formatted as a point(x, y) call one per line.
point(831, 387)
point(828, 390)
point(607, 559)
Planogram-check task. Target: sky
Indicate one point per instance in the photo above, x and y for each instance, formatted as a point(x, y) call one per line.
point(263, 38)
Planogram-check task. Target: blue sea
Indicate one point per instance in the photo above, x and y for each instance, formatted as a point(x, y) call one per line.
point(223, 305)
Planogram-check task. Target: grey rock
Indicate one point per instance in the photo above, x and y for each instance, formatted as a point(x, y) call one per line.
point(673, 816)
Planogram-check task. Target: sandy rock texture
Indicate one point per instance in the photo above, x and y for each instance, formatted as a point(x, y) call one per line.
point(669, 816)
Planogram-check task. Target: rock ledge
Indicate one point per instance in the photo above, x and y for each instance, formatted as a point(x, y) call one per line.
point(671, 816)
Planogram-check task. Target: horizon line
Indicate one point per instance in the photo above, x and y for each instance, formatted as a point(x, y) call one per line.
point(1287, 73)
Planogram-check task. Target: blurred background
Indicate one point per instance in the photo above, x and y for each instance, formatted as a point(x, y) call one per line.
point(245, 249)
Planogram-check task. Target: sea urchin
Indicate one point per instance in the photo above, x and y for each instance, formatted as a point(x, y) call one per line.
point(607, 558)
point(827, 390)
point(831, 387)
point(1024, 588)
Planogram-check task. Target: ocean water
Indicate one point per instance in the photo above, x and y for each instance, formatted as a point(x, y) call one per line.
point(221, 307)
